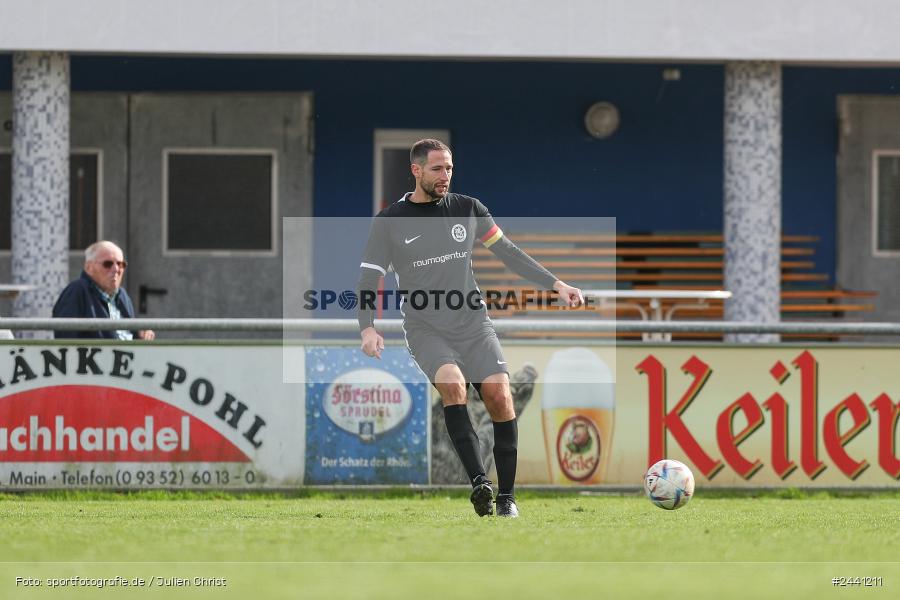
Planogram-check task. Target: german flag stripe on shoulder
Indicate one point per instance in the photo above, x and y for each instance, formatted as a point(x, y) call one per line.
point(491, 237)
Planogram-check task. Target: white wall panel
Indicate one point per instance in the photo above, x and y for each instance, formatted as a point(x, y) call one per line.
point(800, 30)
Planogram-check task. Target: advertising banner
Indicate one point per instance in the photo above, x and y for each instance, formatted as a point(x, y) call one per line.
point(148, 416)
point(366, 420)
point(564, 397)
point(190, 415)
point(737, 416)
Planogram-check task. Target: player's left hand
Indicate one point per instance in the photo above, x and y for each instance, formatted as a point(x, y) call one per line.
point(569, 295)
point(372, 343)
point(146, 334)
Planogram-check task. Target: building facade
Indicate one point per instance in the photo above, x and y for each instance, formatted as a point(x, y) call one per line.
point(192, 135)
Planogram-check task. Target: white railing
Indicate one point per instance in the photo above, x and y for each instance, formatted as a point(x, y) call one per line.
point(501, 325)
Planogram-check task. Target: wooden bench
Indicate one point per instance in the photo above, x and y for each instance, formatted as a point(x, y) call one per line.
point(664, 261)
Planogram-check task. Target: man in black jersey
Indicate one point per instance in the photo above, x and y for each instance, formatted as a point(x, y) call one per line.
point(427, 238)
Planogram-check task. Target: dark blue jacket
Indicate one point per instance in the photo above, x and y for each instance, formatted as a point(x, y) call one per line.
point(82, 299)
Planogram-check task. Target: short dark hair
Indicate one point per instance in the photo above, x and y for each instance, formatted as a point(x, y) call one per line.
point(419, 152)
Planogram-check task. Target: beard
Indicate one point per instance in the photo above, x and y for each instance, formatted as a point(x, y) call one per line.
point(433, 193)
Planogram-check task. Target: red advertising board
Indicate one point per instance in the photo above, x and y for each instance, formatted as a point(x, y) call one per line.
point(148, 415)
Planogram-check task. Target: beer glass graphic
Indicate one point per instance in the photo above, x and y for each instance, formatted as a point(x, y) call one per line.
point(577, 407)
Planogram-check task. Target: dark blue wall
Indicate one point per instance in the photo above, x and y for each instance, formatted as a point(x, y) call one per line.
point(517, 133)
point(810, 138)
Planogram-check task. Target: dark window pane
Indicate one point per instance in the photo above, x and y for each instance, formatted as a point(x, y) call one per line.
point(82, 201)
point(83, 192)
point(888, 203)
point(5, 200)
point(219, 201)
point(396, 176)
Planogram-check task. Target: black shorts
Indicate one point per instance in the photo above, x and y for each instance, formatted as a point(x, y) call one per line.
point(476, 352)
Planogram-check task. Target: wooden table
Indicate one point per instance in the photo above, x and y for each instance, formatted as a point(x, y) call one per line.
point(11, 290)
point(648, 303)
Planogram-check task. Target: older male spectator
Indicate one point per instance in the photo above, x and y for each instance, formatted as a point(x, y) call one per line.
point(98, 294)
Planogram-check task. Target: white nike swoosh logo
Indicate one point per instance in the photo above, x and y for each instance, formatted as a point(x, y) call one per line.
point(501, 362)
point(410, 240)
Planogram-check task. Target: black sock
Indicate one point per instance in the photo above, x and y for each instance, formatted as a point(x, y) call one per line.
point(506, 437)
point(464, 439)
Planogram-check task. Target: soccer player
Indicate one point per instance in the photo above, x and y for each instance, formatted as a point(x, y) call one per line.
point(427, 237)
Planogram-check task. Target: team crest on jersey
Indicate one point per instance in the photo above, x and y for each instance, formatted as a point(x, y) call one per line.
point(458, 232)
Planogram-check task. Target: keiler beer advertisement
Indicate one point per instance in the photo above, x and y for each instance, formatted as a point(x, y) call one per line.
point(738, 416)
point(565, 399)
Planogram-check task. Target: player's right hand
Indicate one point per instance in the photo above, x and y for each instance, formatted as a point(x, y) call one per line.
point(372, 343)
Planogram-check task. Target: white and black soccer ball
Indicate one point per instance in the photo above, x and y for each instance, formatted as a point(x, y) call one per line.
point(669, 484)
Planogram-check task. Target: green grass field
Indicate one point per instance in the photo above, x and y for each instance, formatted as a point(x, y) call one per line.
point(409, 545)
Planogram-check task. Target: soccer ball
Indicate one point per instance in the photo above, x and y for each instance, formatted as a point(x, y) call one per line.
point(669, 484)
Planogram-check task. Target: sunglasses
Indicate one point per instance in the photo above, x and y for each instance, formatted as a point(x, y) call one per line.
point(108, 264)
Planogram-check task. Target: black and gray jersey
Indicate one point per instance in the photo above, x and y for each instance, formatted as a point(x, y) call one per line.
point(429, 248)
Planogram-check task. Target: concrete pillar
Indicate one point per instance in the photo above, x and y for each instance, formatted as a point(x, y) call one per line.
point(40, 181)
point(752, 208)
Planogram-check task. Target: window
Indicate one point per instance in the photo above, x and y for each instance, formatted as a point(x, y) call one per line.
point(219, 201)
point(84, 198)
point(392, 175)
point(886, 194)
